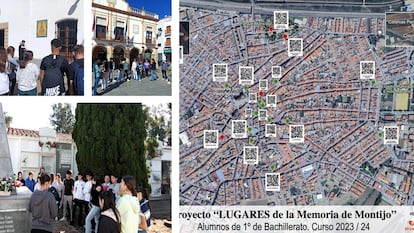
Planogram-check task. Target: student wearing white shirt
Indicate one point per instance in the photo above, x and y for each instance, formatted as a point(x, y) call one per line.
point(78, 198)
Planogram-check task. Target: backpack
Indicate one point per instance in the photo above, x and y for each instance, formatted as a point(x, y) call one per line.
point(54, 191)
point(53, 78)
point(78, 79)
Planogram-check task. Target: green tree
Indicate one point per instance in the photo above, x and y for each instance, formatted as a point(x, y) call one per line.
point(62, 118)
point(157, 124)
point(110, 140)
point(8, 119)
point(152, 146)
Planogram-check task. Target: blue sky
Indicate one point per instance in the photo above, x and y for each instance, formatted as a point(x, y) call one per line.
point(161, 7)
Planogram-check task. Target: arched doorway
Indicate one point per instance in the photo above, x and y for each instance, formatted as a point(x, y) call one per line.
point(99, 52)
point(118, 54)
point(147, 54)
point(134, 53)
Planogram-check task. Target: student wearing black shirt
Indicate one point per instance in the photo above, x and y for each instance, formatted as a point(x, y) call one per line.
point(95, 211)
point(52, 70)
point(67, 194)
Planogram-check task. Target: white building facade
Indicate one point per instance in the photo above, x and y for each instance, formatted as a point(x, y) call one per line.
point(164, 39)
point(30, 150)
point(38, 22)
point(122, 32)
point(160, 172)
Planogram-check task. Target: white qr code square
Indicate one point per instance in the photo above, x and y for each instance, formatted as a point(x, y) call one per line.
point(263, 84)
point(276, 72)
point(295, 47)
point(219, 72)
point(210, 138)
point(248, 112)
point(239, 129)
point(271, 101)
point(367, 70)
point(272, 182)
point(246, 75)
point(250, 155)
point(252, 97)
point(181, 55)
point(281, 19)
point(270, 130)
point(262, 114)
point(296, 133)
point(391, 134)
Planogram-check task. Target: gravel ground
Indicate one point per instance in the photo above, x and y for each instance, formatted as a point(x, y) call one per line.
point(157, 226)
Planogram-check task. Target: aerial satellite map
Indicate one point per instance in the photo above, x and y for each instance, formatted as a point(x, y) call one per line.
point(296, 102)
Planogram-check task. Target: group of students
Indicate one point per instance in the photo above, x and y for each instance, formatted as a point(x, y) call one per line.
point(53, 68)
point(115, 207)
point(108, 71)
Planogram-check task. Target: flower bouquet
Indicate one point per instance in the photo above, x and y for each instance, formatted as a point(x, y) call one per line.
point(6, 186)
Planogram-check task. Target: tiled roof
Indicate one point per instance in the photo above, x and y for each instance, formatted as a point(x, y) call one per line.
point(23, 132)
point(60, 137)
point(63, 137)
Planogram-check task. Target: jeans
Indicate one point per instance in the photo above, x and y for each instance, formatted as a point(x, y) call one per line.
point(142, 231)
point(119, 75)
point(105, 82)
point(164, 74)
point(139, 75)
point(12, 86)
point(67, 200)
point(93, 213)
point(135, 75)
point(95, 88)
point(153, 75)
point(30, 92)
point(81, 205)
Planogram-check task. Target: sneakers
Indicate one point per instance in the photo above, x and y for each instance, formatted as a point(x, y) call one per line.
point(63, 219)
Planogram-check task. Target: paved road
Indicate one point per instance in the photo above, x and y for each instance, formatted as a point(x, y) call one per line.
point(159, 87)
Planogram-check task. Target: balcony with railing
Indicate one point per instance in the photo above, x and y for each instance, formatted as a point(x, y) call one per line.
point(144, 13)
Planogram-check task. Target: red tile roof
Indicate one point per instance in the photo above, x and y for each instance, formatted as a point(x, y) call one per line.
point(23, 132)
point(60, 137)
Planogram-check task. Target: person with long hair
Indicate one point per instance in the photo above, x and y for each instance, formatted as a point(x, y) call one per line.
point(95, 210)
point(110, 220)
point(20, 180)
point(58, 184)
point(27, 75)
point(4, 77)
point(128, 206)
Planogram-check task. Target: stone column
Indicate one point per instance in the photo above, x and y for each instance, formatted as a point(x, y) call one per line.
point(6, 168)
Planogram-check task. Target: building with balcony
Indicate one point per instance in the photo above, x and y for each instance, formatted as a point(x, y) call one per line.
point(164, 39)
point(38, 24)
point(31, 149)
point(120, 31)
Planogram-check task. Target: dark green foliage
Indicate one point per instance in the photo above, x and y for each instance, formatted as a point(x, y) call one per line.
point(110, 140)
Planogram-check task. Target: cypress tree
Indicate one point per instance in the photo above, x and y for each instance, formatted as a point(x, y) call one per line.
point(110, 140)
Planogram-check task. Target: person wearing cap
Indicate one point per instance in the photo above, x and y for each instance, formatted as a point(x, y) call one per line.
point(52, 70)
point(22, 50)
point(67, 195)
